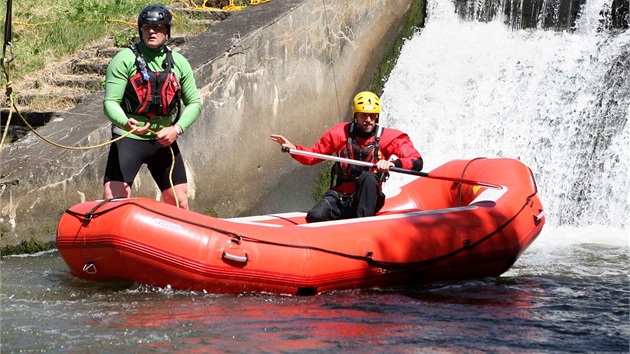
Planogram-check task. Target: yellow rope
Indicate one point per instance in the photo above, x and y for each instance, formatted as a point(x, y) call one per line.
point(65, 146)
point(11, 96)
point(28, 24)
point(170, 176)
point(204, 6)
point(14, 107)
point(232, 7)
point(190, 4)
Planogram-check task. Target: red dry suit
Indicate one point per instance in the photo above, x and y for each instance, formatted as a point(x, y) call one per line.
point(335, 140)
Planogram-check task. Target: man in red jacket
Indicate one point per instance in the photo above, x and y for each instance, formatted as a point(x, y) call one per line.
point(356, 191)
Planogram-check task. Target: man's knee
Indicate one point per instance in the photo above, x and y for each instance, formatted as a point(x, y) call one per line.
point(317, 216)
point(368, 180)
point(326, 209)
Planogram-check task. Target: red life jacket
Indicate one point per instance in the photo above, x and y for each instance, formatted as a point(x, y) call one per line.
point(152, 93)
point(343, 172)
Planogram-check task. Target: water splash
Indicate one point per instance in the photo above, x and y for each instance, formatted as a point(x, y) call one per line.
point(558, 101)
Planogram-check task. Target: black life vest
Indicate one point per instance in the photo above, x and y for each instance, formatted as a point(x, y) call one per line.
point(344, 172)
point(152, 93)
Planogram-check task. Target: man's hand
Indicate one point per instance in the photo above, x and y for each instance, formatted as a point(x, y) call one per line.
point(133, 124)
point(167, 135)
point(384, 165)
point(284, 142)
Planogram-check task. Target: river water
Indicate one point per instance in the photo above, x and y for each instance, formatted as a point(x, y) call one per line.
point(567, 293)
point(461, 90)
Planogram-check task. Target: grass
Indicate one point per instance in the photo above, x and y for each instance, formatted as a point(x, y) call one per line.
point(48, 31)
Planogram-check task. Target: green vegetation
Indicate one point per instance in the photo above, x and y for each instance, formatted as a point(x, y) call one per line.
point(5, 228)
point(415, 21)
point(27, 247)
point(211, 212)
point(50, 31)
point(322, 184)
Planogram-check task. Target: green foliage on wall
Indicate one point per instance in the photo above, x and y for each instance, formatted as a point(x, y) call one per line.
point(27, 247)
point(415, 21)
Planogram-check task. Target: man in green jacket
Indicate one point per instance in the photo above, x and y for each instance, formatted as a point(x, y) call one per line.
point(144, 88)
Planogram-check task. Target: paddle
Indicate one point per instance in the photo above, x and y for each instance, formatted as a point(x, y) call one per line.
point(392, 169)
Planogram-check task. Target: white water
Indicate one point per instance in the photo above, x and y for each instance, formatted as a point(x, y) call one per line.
point(557, 101)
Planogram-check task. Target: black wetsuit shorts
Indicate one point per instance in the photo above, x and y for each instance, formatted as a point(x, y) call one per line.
point(127, 155)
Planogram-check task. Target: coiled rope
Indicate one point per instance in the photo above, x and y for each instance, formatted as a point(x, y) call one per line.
point(10, 95)
point(8, 49)
point(14, 107)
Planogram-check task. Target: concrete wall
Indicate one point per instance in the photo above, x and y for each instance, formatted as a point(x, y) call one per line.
point(288, 66)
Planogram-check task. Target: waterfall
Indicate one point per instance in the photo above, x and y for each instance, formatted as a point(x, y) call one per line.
point(556, 100)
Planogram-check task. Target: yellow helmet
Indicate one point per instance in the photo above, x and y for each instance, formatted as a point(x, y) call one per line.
point(366, 102)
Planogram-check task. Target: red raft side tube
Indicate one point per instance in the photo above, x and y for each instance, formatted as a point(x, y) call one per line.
point(431, 230)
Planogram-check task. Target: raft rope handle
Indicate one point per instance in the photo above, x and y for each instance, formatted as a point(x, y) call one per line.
point(368, 257)
point(90, 268)
point(538, 218)
point(90, 214)
point(87, 217)
point(242, 259)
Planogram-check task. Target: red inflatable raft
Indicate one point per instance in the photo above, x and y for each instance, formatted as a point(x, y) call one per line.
point(432, 230)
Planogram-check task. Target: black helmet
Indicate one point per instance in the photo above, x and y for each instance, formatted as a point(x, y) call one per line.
point(155, 15)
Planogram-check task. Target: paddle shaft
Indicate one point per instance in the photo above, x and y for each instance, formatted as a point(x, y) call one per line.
point(392, 169)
